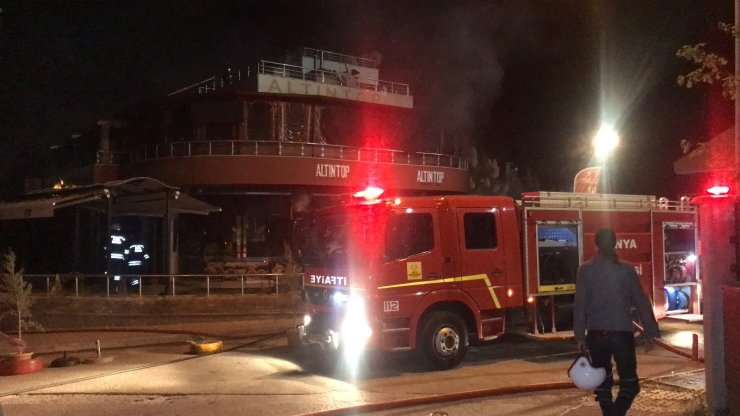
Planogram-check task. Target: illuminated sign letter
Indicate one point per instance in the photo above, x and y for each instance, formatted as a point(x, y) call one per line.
point(274, 86)
point(426, 176)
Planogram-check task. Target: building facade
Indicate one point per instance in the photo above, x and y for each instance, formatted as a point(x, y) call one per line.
point(264, 145)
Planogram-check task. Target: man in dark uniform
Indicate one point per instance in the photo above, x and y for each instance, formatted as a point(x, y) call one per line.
point(606, 291)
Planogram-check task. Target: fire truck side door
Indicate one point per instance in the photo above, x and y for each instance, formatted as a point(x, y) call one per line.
point(482, 268)
point(412, 257)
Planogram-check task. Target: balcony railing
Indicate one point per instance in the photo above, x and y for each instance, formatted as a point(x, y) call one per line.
point(332, 77)
point(238, 148)
point(163, 284)
point(338, 57)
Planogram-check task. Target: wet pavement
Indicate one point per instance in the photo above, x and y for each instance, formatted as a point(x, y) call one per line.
point(673, 384)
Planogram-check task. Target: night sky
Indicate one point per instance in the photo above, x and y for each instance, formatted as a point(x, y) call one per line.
point(527, 82)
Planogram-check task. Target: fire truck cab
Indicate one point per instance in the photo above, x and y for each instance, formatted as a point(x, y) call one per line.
point(430, 273)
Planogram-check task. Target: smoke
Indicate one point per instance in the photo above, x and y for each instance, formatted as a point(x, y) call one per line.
point(470, 43)
point(453, 55)
point(469, 70)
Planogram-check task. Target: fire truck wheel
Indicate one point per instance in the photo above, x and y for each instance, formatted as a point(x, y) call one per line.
point(443, 340)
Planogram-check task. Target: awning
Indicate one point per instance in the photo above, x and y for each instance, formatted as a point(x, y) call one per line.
point(135, 196)
point(156, 204)
point(42, 208)
point(718, 154)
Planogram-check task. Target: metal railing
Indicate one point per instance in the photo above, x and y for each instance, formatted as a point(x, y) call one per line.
point(212, 83)
point(338, 57)
point(604, 201)
point(280, 148)
point(332, 77)
point(140, 285)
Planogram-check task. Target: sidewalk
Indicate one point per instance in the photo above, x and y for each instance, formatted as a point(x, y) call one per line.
point(669, 396)
point(52, 342)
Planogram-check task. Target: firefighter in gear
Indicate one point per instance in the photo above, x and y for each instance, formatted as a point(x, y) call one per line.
point(606, 289)
point(116, 255)
point(136, 258)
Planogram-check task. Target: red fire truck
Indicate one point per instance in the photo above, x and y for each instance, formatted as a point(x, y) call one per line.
point(430, 273)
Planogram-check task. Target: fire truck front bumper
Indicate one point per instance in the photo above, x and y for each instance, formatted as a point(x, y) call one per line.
point(332, 332)
point(328, 339)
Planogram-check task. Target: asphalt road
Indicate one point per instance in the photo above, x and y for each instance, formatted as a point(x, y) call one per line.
point(258, 376)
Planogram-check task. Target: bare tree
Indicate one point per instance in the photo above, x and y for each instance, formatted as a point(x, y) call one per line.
point(15, 295)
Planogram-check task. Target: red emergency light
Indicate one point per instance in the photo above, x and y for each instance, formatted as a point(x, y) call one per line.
point(370, 193)
point(719, 190)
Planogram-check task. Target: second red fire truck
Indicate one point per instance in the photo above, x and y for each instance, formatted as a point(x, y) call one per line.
point(431, 273)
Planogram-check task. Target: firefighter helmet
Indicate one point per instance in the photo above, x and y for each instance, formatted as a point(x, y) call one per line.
point(584, 375)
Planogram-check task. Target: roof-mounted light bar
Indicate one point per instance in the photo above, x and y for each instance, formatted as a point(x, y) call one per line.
point(719, 190)
point(370, 193)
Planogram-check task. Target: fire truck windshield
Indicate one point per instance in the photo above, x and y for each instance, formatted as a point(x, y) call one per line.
point(343, 239)
point(361, 236)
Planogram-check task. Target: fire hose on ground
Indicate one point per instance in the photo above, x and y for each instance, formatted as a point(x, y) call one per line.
point(500, 391)
point(693, 355)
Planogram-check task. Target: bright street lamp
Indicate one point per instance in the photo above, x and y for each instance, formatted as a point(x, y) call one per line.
point(605, 141)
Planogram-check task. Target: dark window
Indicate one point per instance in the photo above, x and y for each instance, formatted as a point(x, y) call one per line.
point(679, 240)
point(407, 235)
point(480, 231)
point(557, 248)
point(259, 121)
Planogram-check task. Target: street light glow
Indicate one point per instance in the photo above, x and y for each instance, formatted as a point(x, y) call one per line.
point(605, 141)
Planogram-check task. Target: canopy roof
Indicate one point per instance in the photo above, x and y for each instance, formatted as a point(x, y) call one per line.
point(718, 154)
point(135, 196)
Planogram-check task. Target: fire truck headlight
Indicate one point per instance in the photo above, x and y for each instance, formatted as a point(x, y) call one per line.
point(340, 298)
point(355, 329)
point(306, 320)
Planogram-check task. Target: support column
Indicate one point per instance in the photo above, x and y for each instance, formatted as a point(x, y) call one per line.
point(106, 234)
point(76, 256)
point(166, 235)
point(716, 253)
point(245, 120)
point(308, 123)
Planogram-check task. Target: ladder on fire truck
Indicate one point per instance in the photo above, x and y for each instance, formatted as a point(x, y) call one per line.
point(603, 201)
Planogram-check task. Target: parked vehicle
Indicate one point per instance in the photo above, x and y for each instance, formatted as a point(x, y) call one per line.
point(431, 273)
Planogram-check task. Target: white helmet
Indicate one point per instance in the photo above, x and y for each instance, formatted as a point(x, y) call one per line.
point(584, 375)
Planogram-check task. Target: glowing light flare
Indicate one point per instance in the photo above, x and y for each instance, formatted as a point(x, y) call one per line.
point(691, 258)
point(340, 298)
point(370, 193)
point(510, 293)
point(719, 190)
point(605, 141)
point(355, 331)
point(530, 299)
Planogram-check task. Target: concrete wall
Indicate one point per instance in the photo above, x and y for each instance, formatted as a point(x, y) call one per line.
point(67, 312)
point(732, 348)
